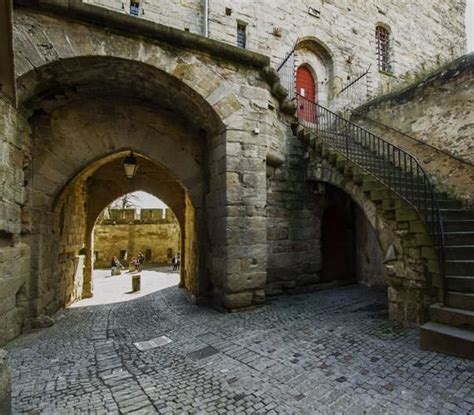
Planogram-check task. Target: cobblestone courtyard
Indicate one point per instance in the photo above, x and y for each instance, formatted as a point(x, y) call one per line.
point(328, 352)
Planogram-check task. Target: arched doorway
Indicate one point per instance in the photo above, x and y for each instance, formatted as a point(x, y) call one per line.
point(307, 93)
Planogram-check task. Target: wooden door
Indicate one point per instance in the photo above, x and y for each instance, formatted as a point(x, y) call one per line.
point(336, 247)
point(306, 90)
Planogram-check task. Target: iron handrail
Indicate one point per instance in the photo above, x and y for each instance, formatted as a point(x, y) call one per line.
point(396, 169)
point(355, 80)
point(417, 140)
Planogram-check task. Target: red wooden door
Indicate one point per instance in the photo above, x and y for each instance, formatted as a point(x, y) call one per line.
point(306, 88)
point(336, 247)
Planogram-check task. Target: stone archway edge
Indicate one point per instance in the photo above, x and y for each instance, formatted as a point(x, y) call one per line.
point(99, 16)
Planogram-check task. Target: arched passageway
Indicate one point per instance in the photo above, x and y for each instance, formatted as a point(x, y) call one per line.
point(85, 123)
point(350, 249)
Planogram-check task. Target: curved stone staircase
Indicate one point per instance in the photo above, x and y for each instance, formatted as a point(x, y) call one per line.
point(403, 197)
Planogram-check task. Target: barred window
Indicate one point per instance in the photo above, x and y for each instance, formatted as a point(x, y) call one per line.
point(134, 7)
point(241, 35)
point(382, 39)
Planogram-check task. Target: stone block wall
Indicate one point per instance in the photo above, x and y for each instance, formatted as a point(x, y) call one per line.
point(423, 34)
point(161, 237)
point(436, 110)
point(14, 254)
point(293, 222)
point(184, 15)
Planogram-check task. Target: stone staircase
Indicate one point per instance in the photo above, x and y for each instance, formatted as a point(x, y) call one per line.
point(395, 193)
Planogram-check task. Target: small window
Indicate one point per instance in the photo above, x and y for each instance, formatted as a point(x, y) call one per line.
point(382, 39)
point(134, 7)
point(241, 35)
point(123, 254)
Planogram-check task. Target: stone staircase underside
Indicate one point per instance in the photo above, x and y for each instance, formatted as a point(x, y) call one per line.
point(451, 328)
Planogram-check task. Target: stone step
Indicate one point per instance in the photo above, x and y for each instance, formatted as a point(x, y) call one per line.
point(447, 339)
point(459, 238)
point(453, 225)
point(464, 301)
point(450, 316)
point(460, 283)
point(456, 214)
point(462, 268)
point(459, 252)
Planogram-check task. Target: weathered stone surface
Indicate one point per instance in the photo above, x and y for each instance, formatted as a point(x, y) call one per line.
point(42, 322)
point(5, 384)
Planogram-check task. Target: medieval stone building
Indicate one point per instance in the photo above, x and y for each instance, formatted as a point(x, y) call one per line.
point(126, 232)
point(233, 111)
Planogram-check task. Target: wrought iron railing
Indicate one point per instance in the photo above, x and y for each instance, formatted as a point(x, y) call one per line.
point(355, 92)
point(398, 170)
point(287, 72)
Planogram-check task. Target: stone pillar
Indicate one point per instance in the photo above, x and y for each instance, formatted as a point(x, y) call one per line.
point(87, 286)
point(245, 217)
point(5, 385)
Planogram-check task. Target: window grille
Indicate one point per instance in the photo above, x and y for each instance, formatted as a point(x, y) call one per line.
point(382, 39)
point(134, 8)
point(241, 35)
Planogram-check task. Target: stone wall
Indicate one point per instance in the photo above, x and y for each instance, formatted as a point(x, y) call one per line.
point(369, 256)
point(437, 110)
point(293, 221)
point(14, 253)
point(423, 33)
point(152, 234)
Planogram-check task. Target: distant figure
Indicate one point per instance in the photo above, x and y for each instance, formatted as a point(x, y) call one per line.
point(175, 262)
point(133, 265)
point(115, 266)
point(141, 261)
point(178, 262)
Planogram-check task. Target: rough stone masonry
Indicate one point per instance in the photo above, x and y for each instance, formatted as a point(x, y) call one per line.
point(212, 128)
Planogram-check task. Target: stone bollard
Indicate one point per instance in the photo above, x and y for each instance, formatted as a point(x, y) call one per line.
point(136, 282)
point(5, 385)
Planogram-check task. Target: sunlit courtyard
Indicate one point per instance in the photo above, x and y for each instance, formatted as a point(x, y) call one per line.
point(110, 289)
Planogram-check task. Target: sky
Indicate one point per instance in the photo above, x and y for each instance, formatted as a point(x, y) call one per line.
point(470, 25)
point(145, 200)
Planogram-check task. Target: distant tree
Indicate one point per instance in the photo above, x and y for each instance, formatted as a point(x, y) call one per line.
point(128, 201)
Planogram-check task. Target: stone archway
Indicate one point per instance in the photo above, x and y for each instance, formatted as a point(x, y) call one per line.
point(411, 285)
point(89, 193)
point(180, 109)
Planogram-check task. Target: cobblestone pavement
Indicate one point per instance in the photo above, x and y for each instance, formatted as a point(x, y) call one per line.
point(327, 352)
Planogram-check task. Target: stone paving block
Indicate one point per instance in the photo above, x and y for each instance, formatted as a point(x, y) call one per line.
point(303, 354)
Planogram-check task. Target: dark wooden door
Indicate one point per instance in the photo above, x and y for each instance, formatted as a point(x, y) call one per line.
point(336, 247)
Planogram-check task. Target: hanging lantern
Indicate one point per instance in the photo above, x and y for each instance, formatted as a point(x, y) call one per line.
point(130, 166)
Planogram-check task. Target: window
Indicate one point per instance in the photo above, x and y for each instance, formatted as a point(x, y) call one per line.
point(382, 39)
point(241, 35)
point(134, 7)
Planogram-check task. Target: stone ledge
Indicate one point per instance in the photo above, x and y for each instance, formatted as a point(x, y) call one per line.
point(98, 16)
point(461, 67)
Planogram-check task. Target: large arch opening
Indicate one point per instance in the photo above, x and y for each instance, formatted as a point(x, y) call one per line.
point(86, 115)
point(82, 202)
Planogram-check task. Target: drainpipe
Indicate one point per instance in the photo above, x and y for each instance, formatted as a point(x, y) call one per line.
point(206, 18)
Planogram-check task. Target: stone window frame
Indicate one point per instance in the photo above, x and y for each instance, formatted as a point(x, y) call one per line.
point(241, 34)
point(383, 48)
point(134, 10)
